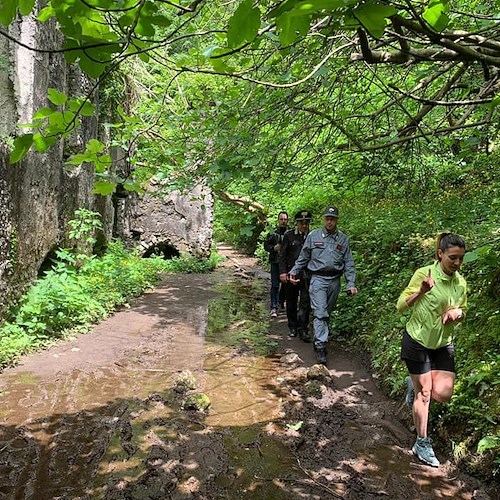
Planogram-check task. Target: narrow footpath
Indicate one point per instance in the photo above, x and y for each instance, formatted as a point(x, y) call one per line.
point(108, 414)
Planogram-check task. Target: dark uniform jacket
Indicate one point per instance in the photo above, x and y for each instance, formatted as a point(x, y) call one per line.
point(290, 249)
point(272, 239)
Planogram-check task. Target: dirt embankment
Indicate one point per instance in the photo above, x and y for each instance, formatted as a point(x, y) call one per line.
point(98, 416)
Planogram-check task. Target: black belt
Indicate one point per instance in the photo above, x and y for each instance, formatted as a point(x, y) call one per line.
point(334, 274)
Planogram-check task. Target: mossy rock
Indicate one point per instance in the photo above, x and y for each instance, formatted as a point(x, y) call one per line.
point(318, 372)
point(314, 388)
point(198, 402)
point(185, 382)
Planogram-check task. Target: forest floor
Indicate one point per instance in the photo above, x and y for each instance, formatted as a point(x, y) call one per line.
point(106, 414)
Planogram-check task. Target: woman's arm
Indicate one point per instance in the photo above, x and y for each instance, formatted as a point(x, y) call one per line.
point(419, 285)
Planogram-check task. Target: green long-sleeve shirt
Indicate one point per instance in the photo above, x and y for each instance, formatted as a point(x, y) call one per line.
point(425, 325)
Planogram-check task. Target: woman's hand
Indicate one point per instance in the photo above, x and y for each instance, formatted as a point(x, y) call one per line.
point(451, 315)
point(427, 284)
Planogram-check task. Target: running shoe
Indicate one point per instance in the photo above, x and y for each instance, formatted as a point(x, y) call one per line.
point(423, 450)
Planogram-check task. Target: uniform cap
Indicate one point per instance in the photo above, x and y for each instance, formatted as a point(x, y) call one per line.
point(331, 211)
point(303, 215)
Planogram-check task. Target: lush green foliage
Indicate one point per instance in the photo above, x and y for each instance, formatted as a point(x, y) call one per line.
point(325, 90)
point(70, 298)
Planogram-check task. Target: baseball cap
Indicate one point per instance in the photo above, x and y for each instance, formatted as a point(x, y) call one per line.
point(331, 211)
point(303, 215)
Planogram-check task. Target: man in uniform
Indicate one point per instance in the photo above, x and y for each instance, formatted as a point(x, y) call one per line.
point(272, 244)
point(298, 320)
point(326, 255)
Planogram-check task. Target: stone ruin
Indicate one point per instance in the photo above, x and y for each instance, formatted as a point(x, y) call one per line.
point(39, 195)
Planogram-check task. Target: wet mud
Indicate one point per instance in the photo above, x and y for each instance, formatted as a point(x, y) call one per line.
point(101, 415)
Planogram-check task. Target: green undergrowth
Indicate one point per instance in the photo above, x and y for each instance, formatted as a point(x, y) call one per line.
point(77, 293)
point(390, 240)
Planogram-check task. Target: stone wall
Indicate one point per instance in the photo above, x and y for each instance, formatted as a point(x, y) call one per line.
point(39, 195)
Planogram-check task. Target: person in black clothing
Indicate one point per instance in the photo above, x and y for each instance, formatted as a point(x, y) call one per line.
point(272, 244)
point(298, 293)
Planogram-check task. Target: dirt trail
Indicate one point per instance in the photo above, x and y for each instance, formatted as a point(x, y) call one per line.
point(98, 417)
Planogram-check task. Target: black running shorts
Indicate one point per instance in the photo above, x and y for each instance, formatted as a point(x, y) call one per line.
point(421, 360)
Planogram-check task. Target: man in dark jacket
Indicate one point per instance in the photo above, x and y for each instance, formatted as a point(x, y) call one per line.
point(298, 319)
point(272, 244)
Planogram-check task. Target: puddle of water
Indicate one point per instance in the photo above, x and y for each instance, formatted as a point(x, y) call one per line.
point(111, 428)
point(238, 317)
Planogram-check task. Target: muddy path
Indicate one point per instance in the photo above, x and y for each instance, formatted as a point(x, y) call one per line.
point(102, 415)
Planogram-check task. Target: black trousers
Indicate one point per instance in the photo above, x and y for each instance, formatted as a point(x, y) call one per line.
point(298, 305)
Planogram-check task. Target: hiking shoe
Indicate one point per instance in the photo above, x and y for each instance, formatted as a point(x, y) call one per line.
point(304, 336)
point(292, 332)
point(321, 356)
point(410, 392)
point(274, 313)
point(422, 449)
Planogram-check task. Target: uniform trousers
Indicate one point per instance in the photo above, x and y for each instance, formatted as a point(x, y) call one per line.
point(298, 305)
point(323, 291)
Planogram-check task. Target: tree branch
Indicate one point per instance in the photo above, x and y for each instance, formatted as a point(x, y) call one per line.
point(247, 204)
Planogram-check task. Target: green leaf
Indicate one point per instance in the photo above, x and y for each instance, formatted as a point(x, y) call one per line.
point(221, 66)
point(144, 27)
point(42, 143)
point(372, 17)
point(95, 146)
point(282, 8)
point(79, 159)
point(90, 67)
point(56, 97)
point(102, 163)
point(161, 21)
point(26, 6)
point(244, 24)
point(488, 443)
point(436, 14)
point(86, 108)
point(7, 11)
point(470, 257)
point(104, 187)
point(22, 145)
point(133, 187)
point(210, 50)
point(291, 27)
point(43, 113)
point(247, 230)
point(46, 13)
point(311, 6)
point(61, 120)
